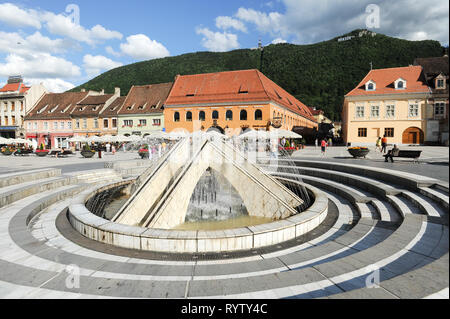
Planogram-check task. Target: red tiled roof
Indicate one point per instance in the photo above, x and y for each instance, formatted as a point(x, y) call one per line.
point(56, 106)
point(315, 112)
point(230, 87)
point(146, 99)
point(92, 105)
point(14, 87)
point(114, 107)
point(385, 78)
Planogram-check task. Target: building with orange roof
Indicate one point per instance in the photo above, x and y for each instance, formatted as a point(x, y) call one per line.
point(142, 112)
point(16, 100)
point(233, 100)
point(388, 102)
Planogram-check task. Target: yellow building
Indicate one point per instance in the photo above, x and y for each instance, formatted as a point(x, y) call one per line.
point(388, 102)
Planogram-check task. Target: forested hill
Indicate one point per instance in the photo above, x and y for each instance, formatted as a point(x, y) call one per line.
point(317, 74)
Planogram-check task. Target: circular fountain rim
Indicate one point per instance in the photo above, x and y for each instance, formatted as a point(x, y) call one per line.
point(189, 241)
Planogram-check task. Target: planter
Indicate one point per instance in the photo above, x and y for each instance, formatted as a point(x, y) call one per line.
point(7, 153)
point(359, 152)
point(87, 154)
point(42, 154)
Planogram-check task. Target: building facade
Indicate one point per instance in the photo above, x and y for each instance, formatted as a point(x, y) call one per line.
point(234, 101)
point(142, 113)
point(388, 102)
point(49, 122)
point(86, 115)
point(436, 74)
point(16, 100)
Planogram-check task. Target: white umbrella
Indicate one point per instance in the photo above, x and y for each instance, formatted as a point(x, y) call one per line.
point(283, 133)
point(95, 139)
point(77, 139)
point(19, 141)
point(159, 135)
point(121, 138)
point(252, 134)
point(135, 138)
point(178, 134)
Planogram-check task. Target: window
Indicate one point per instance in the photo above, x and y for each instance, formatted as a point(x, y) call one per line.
point(389, 132)
point(229, 115)
point(258, 115)
point(128, 123)
point(142, 123)
point(390, 110)
point(243, 115)
point(105, 123)
point(157, 122)
point(413, 109)
point(95, 123)
point(440, 84)
point(439, 109)
point(215, 115)
point(362, 132)
point(84, 123)
point(55, 125)
point(400, 85)
point(189, 116)
point(176, 117)
point(359, 111)
point(69, 125)
point(114, 123)
point(61, 125)
point(77, 124)
point(29, 125)
point(45, 126)
point(370, 86)
point(375, 111)
point(201, 116)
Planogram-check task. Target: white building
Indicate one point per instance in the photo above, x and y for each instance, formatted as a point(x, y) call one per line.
point(16, 100)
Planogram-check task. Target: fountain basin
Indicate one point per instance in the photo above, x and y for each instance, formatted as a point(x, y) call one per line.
point(179, 241)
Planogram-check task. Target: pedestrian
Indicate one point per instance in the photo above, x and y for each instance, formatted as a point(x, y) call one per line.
point(330, 142)
point(108, 147)
point(113, 149)
point(384, 144)
point(324, 147)
point(378, 145)
point(317, 143)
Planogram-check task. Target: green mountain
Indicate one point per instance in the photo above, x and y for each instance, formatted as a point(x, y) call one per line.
point(318, 74)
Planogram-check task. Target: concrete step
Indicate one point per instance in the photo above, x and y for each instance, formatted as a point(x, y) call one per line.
point(18, 192)
point(23, 177)
point(427, 207)
point(435, 195)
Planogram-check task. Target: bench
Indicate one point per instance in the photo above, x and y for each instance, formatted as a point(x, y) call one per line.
point(61, 153)
point(409, 154)
point(23, 152)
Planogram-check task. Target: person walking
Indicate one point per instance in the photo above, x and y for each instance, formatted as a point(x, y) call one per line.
point(317, 143)
point(384, 144)
point(113, 149)
point(108, 148)
point(323, 146)
point(378, 145)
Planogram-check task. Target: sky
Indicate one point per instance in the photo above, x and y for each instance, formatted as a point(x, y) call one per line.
point(63, 44)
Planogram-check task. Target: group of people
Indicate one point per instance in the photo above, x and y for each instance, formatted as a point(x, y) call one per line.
point(381, 145)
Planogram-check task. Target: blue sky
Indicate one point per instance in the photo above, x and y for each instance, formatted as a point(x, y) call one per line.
point(44, 43)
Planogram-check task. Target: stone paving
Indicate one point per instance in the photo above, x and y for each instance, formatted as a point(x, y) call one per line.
point(404, 234)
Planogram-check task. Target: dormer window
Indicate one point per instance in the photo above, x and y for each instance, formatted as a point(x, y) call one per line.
point(53, 109)
point(43, 109)
point(400, 84)
point(440, 82)
point(371, 86)
point(67, 108)
point(243, 89)
point(141, 107)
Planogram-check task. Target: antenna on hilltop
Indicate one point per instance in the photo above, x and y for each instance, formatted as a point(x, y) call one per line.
point(260, 46)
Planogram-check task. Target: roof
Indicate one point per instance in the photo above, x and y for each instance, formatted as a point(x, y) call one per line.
point(114, 107)
point(433, 66)
point(92, 105)
point(385, 78)
point(314, 111)
point(146, 99)
point(231, 87)
point(56, 106)
point(14, 87)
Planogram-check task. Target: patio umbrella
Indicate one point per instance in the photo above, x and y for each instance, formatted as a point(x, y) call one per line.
point(159, 135)
point(283, 133)
point(20, 141)
point(252, 134)
point(94, 139)
point(77, 139)
point(178, 134)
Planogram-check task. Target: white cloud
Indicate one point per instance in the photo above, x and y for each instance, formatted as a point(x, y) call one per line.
point(94, 65)
point(52, 85)
point(217, 41)
point(140, 47)
point(279, 40)
point(38, 65)
point(226, 23)
point(268, 23)
point(64, 26)
point(113, 52)
point(15, 16)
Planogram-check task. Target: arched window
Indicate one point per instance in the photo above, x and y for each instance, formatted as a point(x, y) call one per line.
point(229, 115)
point(176, 117)
point(202, 116)
point(189, 116)
point(243, 116)
point(215, 115)
point(258, 115)
point(400, 85)
point(370, 87)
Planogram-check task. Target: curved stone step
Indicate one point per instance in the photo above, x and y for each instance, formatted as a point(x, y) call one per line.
point(435, 195)
point(10, 179)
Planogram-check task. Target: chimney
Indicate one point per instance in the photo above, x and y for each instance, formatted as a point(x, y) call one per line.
point(102, 92)
point(117, 92)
